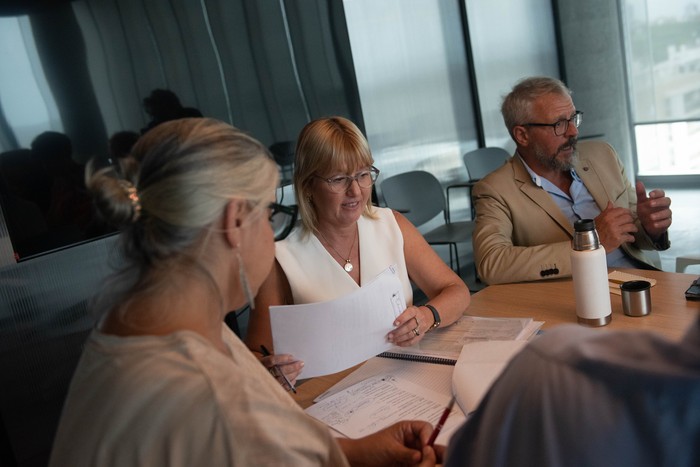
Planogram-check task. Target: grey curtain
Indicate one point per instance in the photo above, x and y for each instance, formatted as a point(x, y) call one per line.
point(267, 66)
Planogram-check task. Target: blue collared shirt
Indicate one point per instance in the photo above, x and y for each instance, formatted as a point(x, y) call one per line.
point(578, 204)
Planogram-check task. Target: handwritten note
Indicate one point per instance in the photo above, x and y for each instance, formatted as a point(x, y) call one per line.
point(377, 402)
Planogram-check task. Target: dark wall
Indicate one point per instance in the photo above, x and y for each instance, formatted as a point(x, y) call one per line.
point(44, 321)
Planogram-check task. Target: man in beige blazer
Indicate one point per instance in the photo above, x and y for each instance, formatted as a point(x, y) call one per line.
point(525, 210)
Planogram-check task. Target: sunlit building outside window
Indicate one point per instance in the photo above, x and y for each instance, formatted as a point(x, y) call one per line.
point(662, 39)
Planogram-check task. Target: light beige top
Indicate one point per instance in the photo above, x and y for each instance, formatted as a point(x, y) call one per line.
point(175, 400)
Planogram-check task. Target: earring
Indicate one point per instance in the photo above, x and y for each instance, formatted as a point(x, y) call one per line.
point(244, 281)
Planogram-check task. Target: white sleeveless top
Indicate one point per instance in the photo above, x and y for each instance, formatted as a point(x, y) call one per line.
point(315, 276)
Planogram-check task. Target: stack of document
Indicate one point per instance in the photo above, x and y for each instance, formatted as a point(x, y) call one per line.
point(410, 385)
point(414, 383)
point(447, 342)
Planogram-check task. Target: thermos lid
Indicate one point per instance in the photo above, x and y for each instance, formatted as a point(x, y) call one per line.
point(584, 225)
point(585, 235)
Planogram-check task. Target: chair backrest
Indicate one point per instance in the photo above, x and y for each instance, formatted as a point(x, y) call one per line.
point(481, 162)
point(283, 152)
point(417, 195)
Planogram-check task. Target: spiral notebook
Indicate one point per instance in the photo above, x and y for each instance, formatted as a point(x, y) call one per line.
point(419, 358)
point(444, 345)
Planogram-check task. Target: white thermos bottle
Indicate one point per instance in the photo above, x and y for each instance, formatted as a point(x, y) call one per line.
point(590, 273)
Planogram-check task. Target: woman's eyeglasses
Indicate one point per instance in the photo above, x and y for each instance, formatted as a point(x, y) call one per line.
point(282, 218)
point(341, 183)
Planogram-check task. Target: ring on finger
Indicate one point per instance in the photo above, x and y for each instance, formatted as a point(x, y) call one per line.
point(416, 331)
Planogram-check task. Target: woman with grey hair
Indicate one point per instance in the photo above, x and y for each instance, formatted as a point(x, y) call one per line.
point(162, 380)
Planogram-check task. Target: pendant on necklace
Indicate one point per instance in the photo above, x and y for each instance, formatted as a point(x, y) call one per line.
point(348, 266)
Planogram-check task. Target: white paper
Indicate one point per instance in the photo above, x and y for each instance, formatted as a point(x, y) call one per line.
point(478, 366)
point(380, 401)
point(335, 335)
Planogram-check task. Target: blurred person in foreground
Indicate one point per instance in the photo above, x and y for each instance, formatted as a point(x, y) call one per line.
point(576, 397)
point(162, 380)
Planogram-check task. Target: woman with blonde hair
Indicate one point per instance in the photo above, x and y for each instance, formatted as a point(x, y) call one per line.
point(344, 242)
point(162, 380)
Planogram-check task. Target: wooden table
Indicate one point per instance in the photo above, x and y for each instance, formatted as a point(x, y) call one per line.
point(553, 302)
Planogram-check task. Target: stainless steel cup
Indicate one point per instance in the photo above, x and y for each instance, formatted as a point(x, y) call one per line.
point(636, 298)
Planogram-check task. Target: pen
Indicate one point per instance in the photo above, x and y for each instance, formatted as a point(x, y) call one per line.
point(266, 353)
point(441, 423)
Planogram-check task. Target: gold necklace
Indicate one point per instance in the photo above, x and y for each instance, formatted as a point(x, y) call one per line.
point(348, 265)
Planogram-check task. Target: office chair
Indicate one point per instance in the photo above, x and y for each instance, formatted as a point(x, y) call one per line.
point(419, 196)
point(682, 262)
point(479, 163)
point(283, 152)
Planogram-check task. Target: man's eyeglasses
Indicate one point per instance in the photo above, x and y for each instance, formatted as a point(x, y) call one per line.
point(282, 218)
point(562, 126)
point(341, 183)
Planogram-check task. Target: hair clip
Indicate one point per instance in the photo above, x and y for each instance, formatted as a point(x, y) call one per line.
point(133, 196)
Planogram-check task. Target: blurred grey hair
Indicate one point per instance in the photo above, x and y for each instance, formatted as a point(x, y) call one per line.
point(189, 171)
point(516, 106)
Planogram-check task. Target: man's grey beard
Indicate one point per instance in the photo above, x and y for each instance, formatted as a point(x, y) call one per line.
point(551, 162)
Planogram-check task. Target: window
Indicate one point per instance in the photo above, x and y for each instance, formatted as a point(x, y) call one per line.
point(26, 100)
point(662, 40)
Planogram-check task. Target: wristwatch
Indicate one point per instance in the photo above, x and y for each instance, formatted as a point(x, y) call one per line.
point(436, 317)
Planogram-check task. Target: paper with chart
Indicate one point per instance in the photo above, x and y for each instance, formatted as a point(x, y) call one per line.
point(382, 400)
point(334, 335)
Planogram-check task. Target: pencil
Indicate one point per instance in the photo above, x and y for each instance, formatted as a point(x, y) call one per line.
point(441, 423)
point(266, 353)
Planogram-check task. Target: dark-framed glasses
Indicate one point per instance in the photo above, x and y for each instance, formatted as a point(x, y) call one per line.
point(282, 218)
point(562, 126)
point(341, 183)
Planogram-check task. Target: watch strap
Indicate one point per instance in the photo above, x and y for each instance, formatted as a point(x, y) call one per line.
point(436, 317)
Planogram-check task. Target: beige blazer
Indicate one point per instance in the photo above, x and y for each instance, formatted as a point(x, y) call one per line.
point(522, 235)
